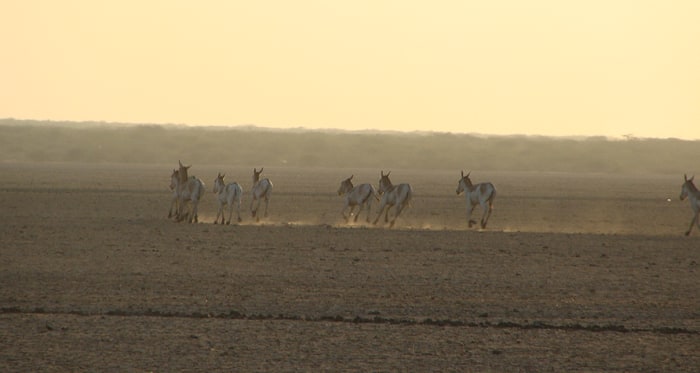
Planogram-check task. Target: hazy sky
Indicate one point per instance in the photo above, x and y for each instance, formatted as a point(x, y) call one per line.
point(608, 67)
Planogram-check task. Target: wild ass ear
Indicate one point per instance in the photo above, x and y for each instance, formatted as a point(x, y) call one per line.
point(387, 174)
point(351, 176)
point(462, 174)
point(382, 173)
point(468, 173)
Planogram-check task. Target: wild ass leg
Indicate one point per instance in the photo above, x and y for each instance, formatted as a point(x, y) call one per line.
point(369, 209)
point(382, 205)
point(230, 212)
point(267, 201)
point(399, 209)
point(184, 214)
point(180, 211)
point(359, 211)
point(238, 209)
point(470, 207)
point(176, 214)
point(386, 215)
point(219, 211)
point(254, 208)
point(487, 213)
point(345, 207)
point(173, 207)
point(193, 216)
point(692, 222)
point(352, 212)
point(222, 212)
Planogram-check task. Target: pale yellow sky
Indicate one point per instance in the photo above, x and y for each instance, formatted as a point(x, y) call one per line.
point(549, 67)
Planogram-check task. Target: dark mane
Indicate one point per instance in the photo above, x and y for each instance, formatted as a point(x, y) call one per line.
point(183, 174)
point(468, 183)
point(385, 178)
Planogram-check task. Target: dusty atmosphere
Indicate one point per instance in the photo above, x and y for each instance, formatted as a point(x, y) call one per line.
point(575, 272)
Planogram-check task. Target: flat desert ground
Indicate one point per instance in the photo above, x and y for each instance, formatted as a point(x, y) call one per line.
point(575, 272)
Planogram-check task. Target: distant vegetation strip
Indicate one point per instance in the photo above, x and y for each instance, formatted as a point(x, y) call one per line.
point(47, 141)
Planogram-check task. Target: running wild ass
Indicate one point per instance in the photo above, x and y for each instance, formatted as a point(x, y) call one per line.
point(262, 189)
point(482, 193)
point(227, 194)
point(186, 189)
point(360, 195)
point(392, 195)
point(688, 190)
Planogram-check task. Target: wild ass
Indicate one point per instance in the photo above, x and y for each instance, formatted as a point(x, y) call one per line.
point(227, 194)
point(188, 189)
point(688, 190)
point(392, 195)
point(360, 195)
point(482, 193)
point(262, 189)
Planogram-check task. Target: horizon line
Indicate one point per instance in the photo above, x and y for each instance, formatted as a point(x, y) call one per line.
point(105, 123)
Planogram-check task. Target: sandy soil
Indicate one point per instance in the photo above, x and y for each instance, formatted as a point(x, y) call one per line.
point(574, 273)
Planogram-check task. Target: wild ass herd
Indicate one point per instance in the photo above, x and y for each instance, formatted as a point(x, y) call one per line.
point(188, 190)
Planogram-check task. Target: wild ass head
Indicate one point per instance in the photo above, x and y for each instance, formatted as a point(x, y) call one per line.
point(464, 183)
point(688, 187)
point(256, 175)
point(345, 186)
point(384, 183)
point(183, 172)
point(219, 182)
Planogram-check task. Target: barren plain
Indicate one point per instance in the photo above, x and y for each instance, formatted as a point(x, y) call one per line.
point(575, 272)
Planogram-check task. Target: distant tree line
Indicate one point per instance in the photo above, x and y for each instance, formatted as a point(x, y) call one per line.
point(36, 141)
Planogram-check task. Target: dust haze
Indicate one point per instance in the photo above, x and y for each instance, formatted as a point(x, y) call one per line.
point(95, 142)
point(583, 266)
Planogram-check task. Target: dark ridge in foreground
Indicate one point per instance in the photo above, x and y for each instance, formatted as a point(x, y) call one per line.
point(46, 141)
point(235, 315)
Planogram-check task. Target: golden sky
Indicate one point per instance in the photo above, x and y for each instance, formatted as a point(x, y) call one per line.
point(548, 67)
